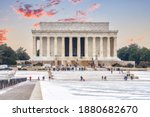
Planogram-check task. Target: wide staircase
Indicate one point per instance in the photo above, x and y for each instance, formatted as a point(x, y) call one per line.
point(87, 75)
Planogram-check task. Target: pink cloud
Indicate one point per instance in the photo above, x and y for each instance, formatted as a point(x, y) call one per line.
point(35, 11)
point(28, 13)
point(36, 25)
point(134, 40)
point(45, 9)
point(51, 13)
point(3, 35)
point(94, 7)
point(81, 16)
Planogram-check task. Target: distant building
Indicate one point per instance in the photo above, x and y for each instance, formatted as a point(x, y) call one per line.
point(68, 42)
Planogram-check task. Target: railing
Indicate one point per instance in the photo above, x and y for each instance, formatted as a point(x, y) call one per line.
point(10, 82)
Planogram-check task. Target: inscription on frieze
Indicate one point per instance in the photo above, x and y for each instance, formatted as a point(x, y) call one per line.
point(75, 26)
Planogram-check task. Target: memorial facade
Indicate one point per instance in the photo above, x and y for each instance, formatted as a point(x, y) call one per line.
point(63, 42)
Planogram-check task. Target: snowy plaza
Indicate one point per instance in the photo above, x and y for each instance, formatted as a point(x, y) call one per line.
point(66, 85)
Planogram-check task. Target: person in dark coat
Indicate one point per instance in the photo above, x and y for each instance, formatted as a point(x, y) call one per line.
point(30, 78)
point(105, 78)
point(81, 78)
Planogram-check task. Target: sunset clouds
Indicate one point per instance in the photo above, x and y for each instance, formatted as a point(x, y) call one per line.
point(94, 7)
point(134, 40)
point(3, 35)
point(47, 9)
point(82, 15)
point(36, 25)
point(36, 10)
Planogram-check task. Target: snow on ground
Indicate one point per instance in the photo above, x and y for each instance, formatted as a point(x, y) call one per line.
point(52, 91)
point(63, 88)
point(102, 90)
point(143, 75)
point(67, 85)
point(87, 75)
point(33, 74)
point(6, 74)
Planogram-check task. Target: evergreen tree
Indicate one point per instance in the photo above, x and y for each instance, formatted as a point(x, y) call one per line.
point(22, 54)
point(7, 55)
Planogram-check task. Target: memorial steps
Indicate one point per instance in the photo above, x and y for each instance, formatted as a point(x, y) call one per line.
point(87, 75)
point(75, 75)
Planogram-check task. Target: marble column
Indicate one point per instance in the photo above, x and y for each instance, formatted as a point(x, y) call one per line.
point(55, 46)
point(41, 46)
point(94, 47)
point(48, 46)
point(101, 48)
point(86, 47)
point(115, 46)
point(63, 47)
point(79, 47)
point(34, 46)
point(108, 46)
point(70, 47)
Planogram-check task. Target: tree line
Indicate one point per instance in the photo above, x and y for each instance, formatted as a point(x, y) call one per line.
point(133, 52)
point(9, 56)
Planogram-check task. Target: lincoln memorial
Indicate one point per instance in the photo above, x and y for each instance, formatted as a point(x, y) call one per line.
point(68, 42)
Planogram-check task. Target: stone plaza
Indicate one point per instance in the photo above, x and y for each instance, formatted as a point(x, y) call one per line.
point(61, 43)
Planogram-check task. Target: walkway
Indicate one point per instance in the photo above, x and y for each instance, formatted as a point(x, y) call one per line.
point(21, 91)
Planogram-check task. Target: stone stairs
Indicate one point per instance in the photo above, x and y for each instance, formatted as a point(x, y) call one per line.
point(87, 75)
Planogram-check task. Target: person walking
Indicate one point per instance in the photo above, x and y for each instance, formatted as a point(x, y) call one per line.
point(43, 78)
point(102, 77)
point(111, 70)
point(81, 78)
point(105, 78)
point(30, 78)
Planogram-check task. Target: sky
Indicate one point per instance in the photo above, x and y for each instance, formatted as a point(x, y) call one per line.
point(130, 17)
